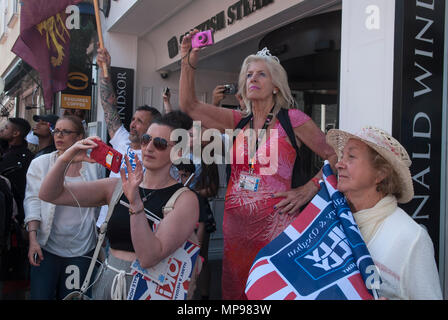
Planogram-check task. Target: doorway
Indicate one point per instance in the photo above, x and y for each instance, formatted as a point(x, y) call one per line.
point(310, 52)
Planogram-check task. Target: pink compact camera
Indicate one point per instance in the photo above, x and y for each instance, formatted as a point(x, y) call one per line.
point(202, 39)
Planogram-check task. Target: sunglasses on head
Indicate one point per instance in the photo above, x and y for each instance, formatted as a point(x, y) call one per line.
point(159, 143)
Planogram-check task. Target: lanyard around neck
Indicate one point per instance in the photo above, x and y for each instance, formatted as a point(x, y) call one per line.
point(260, 137)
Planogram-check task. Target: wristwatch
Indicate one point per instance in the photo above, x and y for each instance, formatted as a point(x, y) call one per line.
point(28, 230)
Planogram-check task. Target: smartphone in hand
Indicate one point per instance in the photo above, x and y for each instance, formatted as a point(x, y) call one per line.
point(106, 156)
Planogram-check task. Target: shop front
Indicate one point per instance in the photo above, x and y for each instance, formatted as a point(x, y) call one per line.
point(350, 63)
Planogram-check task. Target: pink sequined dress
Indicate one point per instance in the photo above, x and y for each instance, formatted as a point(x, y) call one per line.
point(250, 221)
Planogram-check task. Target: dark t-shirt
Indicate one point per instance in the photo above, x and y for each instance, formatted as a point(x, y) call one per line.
point(119, 226)
point(48, 149)
point(14, 163)
point(203, 206)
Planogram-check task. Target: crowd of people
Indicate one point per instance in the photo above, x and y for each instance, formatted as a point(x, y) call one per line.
point(58, 191)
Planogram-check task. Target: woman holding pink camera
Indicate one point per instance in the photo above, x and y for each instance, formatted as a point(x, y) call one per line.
point(258, 205)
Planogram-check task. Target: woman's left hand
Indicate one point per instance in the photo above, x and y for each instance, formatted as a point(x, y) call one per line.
point(294, 199)
point(132, 181)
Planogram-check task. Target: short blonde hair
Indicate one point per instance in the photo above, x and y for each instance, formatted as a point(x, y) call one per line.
point(283, 98)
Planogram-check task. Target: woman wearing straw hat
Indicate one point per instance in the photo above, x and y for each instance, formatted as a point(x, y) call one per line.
point(373, 173)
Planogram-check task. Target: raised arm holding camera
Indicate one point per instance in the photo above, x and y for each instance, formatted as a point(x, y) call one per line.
point(253, 217)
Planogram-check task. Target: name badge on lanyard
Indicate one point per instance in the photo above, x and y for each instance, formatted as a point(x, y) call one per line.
point(248, 180)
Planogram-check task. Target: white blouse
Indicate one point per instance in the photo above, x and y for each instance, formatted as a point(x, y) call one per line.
point(404, 254)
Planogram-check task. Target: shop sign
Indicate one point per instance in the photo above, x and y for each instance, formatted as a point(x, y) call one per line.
point(77, 95)
point(123, 82)
point(418, 103)
point(232, 15)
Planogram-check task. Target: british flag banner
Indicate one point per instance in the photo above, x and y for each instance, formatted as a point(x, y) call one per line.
point(321, 255)
point(171, 280)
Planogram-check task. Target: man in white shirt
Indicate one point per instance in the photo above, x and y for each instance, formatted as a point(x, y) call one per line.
point(127, 143)
point(122, 140)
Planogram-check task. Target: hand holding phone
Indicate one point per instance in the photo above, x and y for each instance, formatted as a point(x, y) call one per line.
point(106, 156)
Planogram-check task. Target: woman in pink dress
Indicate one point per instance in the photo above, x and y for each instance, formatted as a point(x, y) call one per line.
point(259, 203)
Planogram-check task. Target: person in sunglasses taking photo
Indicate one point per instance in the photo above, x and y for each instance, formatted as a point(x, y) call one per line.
point(129, 231)
point(122, 140)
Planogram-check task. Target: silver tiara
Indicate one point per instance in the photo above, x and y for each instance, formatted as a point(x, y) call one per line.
point(265, 53)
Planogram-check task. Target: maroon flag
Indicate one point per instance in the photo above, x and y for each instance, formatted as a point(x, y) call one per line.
point(44, 42)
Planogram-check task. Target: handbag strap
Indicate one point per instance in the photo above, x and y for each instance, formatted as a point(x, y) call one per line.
point(170, 203)
point(285, 122)
point(115, 197)
point(170, 206)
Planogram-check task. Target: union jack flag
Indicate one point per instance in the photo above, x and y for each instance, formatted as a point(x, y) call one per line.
point(173, 284)
point(320, 256)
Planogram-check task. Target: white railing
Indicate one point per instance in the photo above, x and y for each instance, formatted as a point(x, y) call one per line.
point(13, 12)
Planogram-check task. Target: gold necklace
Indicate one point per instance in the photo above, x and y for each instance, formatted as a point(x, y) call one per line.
point(146, 197)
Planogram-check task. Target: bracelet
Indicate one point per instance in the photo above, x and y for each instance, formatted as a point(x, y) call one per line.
point(27, 228)
point(132, 212)
point(191, 66)
point(188, 53)
point(316, 182)
point(188, 59)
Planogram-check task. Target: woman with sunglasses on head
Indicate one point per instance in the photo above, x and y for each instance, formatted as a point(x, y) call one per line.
point(61, 239)
point(129, 231)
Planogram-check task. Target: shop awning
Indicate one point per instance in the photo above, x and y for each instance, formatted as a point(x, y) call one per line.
point(16, 74)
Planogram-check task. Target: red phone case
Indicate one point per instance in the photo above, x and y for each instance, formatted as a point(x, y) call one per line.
point(106, 156)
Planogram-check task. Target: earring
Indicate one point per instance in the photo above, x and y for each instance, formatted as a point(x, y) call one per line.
point(274, 92)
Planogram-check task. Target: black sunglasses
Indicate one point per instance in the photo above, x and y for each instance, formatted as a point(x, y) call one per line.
point(159, 143)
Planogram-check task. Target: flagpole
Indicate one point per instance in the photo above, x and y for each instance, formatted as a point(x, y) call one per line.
point(100, 34)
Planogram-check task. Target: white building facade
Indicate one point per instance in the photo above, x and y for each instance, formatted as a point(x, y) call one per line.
point(350, 63)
